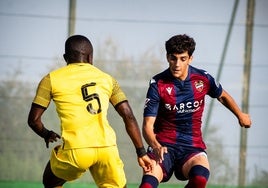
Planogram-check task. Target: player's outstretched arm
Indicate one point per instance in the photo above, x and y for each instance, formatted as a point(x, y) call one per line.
point(34, 121)
point(134, 133)
point(243, 118)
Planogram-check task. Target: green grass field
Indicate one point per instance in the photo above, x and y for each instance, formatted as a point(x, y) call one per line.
point(5, 184)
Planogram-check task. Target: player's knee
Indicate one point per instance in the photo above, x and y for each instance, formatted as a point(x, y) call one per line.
point(53, 182)
point(50, 180)
point(198, 177)
point(149, 181)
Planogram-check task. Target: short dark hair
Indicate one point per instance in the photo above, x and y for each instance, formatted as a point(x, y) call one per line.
point(180, 44)
point(77, 47)
point(78, 43)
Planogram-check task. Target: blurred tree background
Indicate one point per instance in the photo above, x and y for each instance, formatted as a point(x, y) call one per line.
point(24, 155)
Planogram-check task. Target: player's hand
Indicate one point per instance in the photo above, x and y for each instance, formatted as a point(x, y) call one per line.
point(159, 153)
point(244, 120)
point(51, 136)
point(146, 163)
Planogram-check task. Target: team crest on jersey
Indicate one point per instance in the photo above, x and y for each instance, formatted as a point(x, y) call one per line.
point(199, 85)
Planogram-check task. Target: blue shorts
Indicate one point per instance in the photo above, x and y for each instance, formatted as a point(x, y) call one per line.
point(174, 159)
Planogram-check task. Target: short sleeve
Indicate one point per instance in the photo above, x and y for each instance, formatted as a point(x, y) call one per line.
point(215, 87)
point(152, 100)
point(43, 92)
point(117, 94)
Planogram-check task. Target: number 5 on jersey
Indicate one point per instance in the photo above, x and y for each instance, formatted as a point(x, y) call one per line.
point(89, 95)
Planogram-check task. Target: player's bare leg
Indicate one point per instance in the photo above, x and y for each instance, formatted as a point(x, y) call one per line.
point(50, 180)
point(196, 169)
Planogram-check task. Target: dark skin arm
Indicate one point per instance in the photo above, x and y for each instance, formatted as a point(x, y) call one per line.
point(132, 128)
point(35, 122)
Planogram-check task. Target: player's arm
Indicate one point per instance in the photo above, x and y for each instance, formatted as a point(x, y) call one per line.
point(229, 102)
point(35, 122)
point(132, 128)
point(131, 124)
point(39, 105)
point(149, 136)
point(121, 105)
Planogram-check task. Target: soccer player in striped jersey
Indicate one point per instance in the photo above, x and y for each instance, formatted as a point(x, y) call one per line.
point(172, 117)
point(81, 93)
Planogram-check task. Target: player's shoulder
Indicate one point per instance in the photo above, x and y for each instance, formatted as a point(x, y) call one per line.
point(164, 75)
point(198, 71)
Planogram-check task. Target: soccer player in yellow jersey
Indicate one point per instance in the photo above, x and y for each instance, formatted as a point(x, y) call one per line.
point(82, 93)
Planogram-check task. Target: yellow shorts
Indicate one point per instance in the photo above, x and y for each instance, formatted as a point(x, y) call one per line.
point(104, 164)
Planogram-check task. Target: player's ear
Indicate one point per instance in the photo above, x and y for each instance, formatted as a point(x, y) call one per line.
point(190, 59)
point(90, 59)
point(167, 56)
point(170, 57)
point(65, 58)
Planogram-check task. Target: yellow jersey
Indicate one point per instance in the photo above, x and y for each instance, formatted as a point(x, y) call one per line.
point(81, 93)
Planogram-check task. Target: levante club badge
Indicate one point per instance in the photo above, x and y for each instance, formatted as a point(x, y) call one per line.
point(199, 85)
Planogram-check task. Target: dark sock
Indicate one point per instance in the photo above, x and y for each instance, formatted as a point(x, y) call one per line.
point(149, 181)
point(198, 177)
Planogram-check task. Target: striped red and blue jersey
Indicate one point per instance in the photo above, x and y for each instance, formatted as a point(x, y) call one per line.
point(178, 106)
